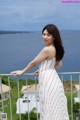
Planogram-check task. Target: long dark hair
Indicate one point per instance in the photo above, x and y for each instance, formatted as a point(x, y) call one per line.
point(53, 30)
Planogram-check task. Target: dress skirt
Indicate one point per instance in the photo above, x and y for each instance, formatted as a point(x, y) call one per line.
point(53, 102)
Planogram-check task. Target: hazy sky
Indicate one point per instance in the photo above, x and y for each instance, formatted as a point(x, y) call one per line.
point(34, 14)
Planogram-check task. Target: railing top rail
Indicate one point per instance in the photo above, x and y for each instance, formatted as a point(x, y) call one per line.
point(60, 73)
point(12, 75)
point(68, 73)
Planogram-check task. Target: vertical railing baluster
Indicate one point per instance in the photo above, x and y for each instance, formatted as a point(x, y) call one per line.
point(27, 98)
point(36, 93)
point(10, 100)
point(79, 89)
point(71, 98)
point(62, 78)
point(1, 95)
point(79, 96)
point(19, 100)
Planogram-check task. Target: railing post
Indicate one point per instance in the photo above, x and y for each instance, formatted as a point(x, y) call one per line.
point(10, 99)
point(79, 96)
point(79, 89)
point(62, 78)
point(36, 95)
point(71, 98)
point(19, 100)
point(1, 95)
point(27, 99)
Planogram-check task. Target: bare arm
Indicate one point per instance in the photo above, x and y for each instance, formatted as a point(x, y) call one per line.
point(58, 64)
point(41, 56)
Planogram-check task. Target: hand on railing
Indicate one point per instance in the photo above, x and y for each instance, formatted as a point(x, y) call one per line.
point(16, 73)
point(36, 72)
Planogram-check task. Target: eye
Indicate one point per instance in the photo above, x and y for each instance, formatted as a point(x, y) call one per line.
point(44, 34)
point(48, 34)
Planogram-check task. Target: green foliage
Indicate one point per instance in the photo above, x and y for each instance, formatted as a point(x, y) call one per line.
point(68, 95)
point(4, 80)
point(32, 114)
point(30, 81)
point(24, 116)
point(76, 107)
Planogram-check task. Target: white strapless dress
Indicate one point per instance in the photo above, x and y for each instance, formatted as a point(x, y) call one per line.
point(53, 102)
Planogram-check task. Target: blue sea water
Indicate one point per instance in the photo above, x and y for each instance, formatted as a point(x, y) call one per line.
point(17, 50)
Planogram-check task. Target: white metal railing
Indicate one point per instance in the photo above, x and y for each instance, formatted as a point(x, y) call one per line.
point(11, 113)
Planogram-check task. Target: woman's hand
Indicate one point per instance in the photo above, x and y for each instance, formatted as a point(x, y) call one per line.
point(36, 72)
point(17, 72)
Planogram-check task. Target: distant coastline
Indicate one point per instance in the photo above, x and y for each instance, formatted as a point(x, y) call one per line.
point(14, 32)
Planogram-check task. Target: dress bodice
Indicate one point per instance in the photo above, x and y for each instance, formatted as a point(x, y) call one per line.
point(47, 64)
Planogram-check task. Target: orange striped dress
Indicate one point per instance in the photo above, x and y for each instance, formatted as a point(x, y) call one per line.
point(53, 102)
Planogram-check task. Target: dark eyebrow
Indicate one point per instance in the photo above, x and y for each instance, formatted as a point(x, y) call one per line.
point(46, 33)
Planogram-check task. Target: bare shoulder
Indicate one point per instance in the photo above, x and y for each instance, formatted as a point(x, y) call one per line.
point(50, 51)
point(46, 49)
point(49, 48)
point(53, 48)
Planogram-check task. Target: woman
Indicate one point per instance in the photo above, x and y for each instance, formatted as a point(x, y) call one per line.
point(53, 102)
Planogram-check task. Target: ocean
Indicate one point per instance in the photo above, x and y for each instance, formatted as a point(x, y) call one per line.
point(17, 50)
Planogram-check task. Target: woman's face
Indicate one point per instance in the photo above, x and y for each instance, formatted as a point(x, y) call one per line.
point(47, 37)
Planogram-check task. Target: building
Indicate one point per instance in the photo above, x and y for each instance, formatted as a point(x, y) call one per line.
point(4, 91)
point(29, 100)
point(3, 116)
